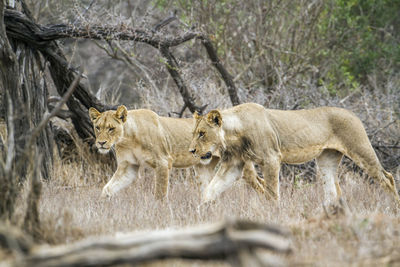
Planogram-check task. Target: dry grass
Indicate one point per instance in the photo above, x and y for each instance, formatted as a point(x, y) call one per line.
point(71, 209)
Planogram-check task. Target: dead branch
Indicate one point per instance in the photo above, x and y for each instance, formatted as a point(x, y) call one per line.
point(21, 28)
point(84, 11)
point(165, 22)
point(212, 54)
point(62, 114)
point(82, 100)
point(54, 112)
point(212, 242)
point(18, 26)
point(173, 68)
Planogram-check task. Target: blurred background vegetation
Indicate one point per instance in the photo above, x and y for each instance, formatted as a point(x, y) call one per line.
point(335, 45)
point(281, 53)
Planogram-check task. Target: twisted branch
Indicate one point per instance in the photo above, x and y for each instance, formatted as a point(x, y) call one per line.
point(20, 27)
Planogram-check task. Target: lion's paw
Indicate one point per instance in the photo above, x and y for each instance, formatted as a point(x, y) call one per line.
point(105, 193)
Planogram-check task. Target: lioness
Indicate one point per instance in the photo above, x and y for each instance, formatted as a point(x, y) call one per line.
point(250, 133)
point(141, 137)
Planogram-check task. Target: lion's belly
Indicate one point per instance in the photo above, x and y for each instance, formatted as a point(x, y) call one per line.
point(301, 155)
point(136, 156)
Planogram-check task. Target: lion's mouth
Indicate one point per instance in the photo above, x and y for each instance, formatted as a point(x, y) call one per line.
point(103, 150)
point(207, 155)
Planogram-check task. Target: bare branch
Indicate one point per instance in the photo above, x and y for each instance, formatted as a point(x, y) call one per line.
point(54, 112)
point(165, 22)
point(84, 11)
point(18, 26)
point(224, 73)
point(173, 68)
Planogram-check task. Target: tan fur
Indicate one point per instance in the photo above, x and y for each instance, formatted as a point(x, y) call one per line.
point(251, 133)
point(142, 138)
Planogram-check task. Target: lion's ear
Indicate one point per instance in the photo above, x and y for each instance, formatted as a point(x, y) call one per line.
point(93, 113)
point(121, 113)
point(214, 118)
point(196, 115)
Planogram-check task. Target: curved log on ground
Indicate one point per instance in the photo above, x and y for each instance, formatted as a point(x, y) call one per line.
point(236, 242)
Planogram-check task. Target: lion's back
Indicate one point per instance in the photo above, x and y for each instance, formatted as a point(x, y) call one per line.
point(164, 136)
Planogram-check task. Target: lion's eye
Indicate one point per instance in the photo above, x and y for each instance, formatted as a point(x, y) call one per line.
point(97, 128)
point(111, 129)
point(201, 134)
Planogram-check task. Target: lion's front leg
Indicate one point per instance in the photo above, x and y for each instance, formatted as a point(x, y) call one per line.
point(162, 177)
point(123, 176)
point(204, 173)
point(251, 177)
point(226, 175)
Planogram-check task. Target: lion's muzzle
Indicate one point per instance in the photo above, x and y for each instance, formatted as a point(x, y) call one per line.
point(102, 143)
point(102, 148)
point(207, 155)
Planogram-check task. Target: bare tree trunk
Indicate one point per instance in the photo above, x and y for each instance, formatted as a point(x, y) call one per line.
point(82, 100)
point(10, 88)
point(32, 219)
point(25, 100)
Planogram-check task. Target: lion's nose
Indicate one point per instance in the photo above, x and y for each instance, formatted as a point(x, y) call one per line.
point(102, 143)
point(192, 151)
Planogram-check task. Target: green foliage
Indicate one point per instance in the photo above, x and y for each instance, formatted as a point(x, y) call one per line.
point(363, 38)
point(344, 40)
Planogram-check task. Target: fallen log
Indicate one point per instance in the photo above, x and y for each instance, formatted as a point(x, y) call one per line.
point(238, 242)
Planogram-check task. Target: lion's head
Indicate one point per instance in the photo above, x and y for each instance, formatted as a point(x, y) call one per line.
point(108, 127)
point(208, 136)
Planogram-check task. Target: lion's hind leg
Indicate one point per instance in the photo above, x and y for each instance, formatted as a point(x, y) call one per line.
point(328, 162)
point(270, 169)
point(385, 179)
point(364, 156)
